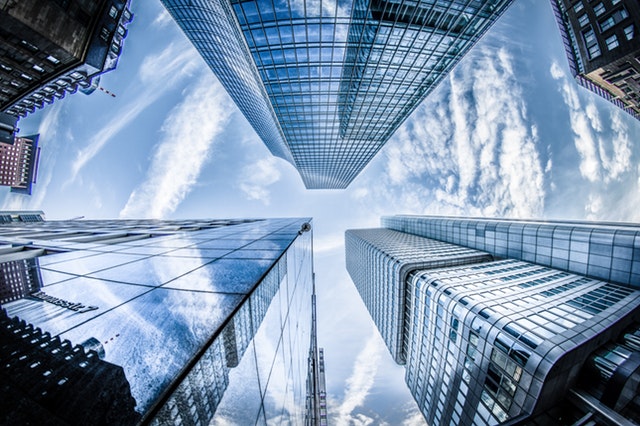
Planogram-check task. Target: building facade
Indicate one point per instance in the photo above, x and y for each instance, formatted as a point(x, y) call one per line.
point(49, 49)
point(19, 163)
point(602, 42)
point(488, 338)
point(326, 84)
point(204, 321)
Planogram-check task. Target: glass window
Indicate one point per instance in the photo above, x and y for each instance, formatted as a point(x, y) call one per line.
point(53, 59)
point(113, 12)
point(583, 20)
point(629, 32)
point(578, 7)
point(612, 42)
point(615, 17)
point(599, 9)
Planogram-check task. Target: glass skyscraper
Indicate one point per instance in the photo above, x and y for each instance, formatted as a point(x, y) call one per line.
point(493, 327)
point(160, 322)
point(326, 84)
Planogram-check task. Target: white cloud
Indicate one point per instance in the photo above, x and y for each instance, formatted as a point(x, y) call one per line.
point(328, 243)
point(359, 384)
point(602, 157)
point(257, 177)
point(189, 133)
point(469, 150)
point(162, 20)
point(158, 73)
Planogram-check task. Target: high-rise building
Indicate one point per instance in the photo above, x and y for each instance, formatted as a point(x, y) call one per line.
point(488, 336)
point(602, 42)
point(326, 84)
point(19, 163)
point(50, 48)
point(160, 322)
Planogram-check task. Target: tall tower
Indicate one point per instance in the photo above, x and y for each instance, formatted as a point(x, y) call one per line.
point(488, 336)
point(194, 321)
point(602, 42)
point(326, 84)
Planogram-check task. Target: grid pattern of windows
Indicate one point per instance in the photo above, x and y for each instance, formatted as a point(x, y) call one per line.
point(477, 335)
point(331, 80)
point(378, 261)
point(603, 251)
point(195, 316)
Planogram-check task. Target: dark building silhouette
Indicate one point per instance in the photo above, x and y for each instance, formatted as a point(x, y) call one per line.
point(49, 49)
point(46, 379)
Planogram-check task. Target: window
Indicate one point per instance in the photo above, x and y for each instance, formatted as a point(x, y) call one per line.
point(104, 34)
point(599, 9)
point(615, 17)
point(38, 68)
point(578, 7)
point(53, 59)
point(29, 46)
point(113, 12)
point(591, 42)
point(629, 32)
point(583, 20)
point(612, 42)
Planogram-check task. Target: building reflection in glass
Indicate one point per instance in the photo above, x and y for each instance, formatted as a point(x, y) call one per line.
point(208, 320)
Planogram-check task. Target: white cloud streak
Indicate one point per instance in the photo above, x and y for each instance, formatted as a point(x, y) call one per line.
point(359, 384)
point(257, 177)
point(158, 73)
point(471, 150)
point(602, 158)
point(189, 133)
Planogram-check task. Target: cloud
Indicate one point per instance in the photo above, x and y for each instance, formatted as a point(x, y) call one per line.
point(189, 133)
point(602, 157)
point(471, 147)
point(158, 73)
point(359, 384)
point(162, 20)
point(257, 177)
point(328, 244)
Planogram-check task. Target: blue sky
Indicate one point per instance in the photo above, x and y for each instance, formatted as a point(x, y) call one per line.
point(509, 134)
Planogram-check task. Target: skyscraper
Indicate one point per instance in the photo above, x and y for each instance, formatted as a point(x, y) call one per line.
point(326, 84)
point(163, 322)
point(49, 49)
point(487, 337)
point(19, 163)
point(602, 42)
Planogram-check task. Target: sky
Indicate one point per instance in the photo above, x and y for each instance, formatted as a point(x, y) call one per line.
point(507, 134)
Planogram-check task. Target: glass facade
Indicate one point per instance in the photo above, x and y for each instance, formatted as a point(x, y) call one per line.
point(209, 321)
point(379, 260)
point(325, 84)
point(607, 251)
point(491, 341)
point(488, 341)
